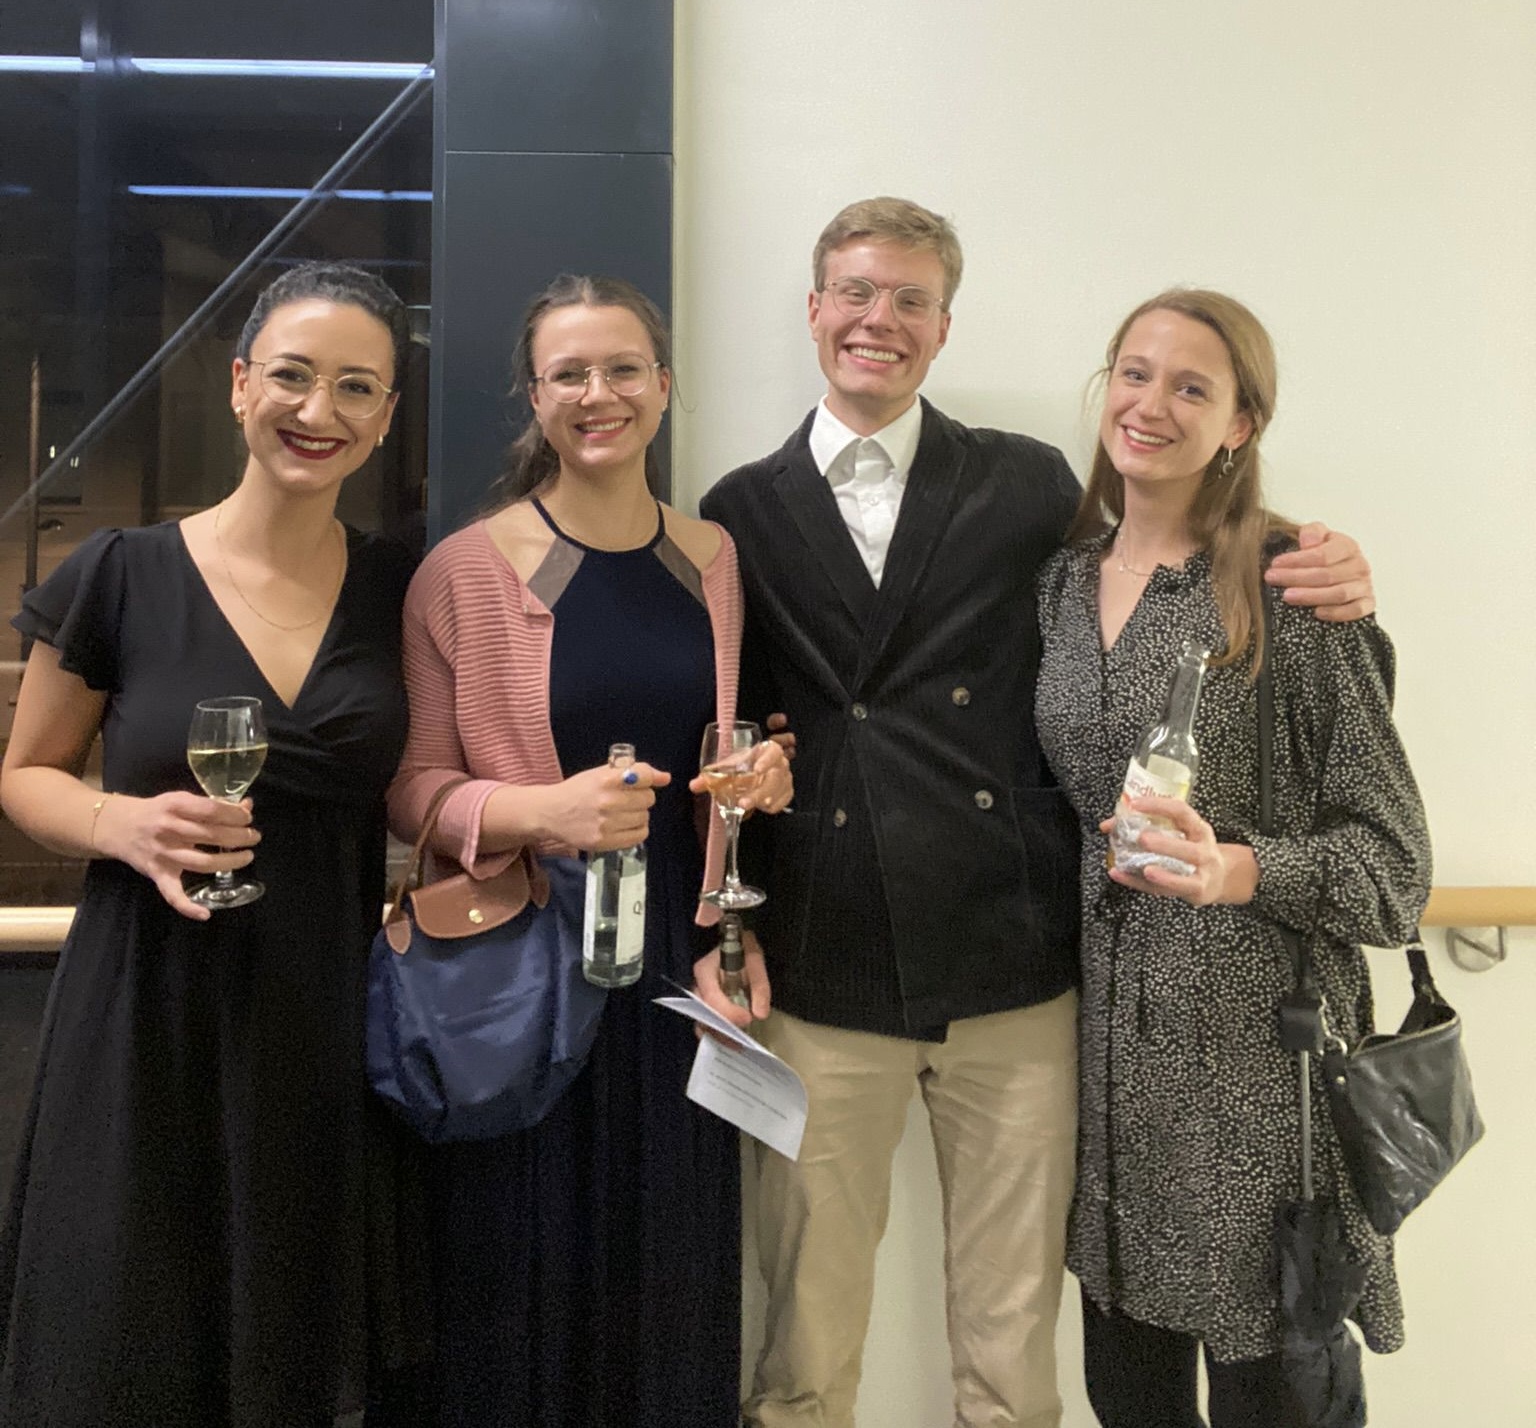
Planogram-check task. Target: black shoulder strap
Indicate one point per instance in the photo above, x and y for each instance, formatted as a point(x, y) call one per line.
point(1301, 1026)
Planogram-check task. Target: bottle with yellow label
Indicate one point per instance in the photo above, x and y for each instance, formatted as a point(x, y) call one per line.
point(1164, 765)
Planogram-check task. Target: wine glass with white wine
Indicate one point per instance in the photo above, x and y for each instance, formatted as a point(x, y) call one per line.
point(728, 766)
point(226, 747)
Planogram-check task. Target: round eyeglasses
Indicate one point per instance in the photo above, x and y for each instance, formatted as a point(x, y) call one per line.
point(626, 375)
point(289, 382)
point(856, 296)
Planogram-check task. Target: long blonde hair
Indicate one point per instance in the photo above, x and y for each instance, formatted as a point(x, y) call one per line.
point(1228, 518)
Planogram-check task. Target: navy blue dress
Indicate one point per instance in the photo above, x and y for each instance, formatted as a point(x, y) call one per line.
point(588, 1270)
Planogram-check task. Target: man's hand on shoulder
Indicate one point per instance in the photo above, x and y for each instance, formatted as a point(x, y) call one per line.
point(1328, 572)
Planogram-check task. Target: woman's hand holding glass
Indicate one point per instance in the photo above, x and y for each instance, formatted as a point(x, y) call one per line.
point(728, 772)
point(740, 773)
point(768, 784)
point(226, 748)
point(1223, 872)
point(176, 833)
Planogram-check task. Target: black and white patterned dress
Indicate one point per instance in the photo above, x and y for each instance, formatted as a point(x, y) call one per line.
point(1189, 1108)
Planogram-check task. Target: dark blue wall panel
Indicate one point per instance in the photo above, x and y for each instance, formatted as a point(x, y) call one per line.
point(560, 76)
point(554, 135)
point(512, 222)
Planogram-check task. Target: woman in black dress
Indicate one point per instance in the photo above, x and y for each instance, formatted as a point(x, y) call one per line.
point(1189, 1112)
point(184, 1245)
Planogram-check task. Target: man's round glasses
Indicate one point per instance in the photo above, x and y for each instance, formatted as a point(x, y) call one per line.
point(289, 383)
point(626, 375)
point(856, 296)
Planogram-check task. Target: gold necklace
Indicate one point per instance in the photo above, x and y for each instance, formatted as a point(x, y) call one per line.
point(1124, 566)
point(229, 575)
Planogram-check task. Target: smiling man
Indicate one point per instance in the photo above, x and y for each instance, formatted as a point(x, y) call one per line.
point(922, 924)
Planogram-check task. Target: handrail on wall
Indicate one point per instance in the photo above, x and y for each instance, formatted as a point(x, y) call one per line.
point(34, 929)
point(1481, 907)
point(43, 929)
point(1458, 909)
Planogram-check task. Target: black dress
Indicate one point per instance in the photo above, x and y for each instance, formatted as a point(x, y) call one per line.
point(185, 1240)
point(588, 1270)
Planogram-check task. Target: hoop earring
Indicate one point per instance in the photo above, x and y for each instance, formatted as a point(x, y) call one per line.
point(1226, 466)
point(239, 416)
point(380, 441)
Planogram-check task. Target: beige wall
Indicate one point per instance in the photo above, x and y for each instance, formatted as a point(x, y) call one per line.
point(1364, 175)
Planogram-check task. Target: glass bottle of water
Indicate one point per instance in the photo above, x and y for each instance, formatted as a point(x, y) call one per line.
point(1164, 765)
point(613, 927)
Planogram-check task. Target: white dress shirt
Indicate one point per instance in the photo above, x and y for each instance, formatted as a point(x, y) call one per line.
point(868, 475)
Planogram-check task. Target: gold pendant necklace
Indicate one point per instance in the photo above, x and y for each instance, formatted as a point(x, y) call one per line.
point(234, 585)
point(1124, 566)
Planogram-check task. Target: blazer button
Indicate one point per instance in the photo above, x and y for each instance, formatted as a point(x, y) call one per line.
point(859, 712)
point(839, 818)
point(983, 799)
point(960, 695)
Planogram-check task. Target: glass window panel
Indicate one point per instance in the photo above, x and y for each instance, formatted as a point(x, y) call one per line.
point(96, 273)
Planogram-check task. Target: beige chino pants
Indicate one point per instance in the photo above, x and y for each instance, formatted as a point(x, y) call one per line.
point(1001, 1094)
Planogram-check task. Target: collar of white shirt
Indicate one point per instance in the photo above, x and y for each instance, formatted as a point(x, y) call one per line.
point(834, 446)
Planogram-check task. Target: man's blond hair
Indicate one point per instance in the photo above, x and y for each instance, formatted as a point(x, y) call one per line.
point(892, 220)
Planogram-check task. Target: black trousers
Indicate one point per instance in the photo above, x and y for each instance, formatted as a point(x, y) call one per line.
point(1140, 1376)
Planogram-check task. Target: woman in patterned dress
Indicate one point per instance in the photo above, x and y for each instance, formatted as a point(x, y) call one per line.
point(587, 1270)
point(1188, 1133)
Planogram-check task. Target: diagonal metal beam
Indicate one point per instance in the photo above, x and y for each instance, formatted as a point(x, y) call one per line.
point(371, 137)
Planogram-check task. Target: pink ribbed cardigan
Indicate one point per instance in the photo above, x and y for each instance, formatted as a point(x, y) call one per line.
point(476, 649)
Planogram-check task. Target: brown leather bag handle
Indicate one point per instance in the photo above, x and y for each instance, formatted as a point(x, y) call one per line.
point(412, 869)
point(535, 884)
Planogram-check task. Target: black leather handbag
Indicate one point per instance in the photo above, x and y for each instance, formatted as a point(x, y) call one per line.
point(1401, 1102)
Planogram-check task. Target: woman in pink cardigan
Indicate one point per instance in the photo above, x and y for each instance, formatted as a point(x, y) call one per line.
point(586, 1271)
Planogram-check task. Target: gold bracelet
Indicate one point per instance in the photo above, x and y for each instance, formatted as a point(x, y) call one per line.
point(95, 818)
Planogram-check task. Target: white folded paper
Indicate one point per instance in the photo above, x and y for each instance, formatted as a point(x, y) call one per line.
point(745, 1083)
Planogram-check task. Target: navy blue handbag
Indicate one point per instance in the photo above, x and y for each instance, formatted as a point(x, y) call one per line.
point(478, 1014)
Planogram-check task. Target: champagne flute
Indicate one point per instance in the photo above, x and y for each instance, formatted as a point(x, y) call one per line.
point(728, 766)
point(226, 747)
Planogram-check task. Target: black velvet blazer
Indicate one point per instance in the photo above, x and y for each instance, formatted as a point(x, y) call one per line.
point(929, 869)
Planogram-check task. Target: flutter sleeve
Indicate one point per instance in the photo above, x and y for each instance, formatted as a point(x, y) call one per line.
point(78, 610)
point(1361, 873)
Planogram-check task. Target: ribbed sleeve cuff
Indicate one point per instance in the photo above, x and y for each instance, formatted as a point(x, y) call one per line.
point(459, 823)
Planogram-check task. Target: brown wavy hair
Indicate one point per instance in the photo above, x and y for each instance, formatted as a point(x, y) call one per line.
point(531, 460)
point(1229, 518)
